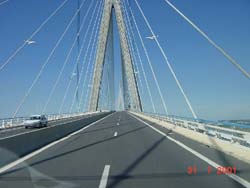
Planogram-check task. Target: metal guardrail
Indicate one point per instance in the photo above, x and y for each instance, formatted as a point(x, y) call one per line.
point(208, 128)
point(10, 123)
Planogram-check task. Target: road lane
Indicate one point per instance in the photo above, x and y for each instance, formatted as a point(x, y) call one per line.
point(6, 133)
point(11, 132)
point(73, 162)
point(204, 158)
point(138, 157)
point(144, 158)
point(217, 156)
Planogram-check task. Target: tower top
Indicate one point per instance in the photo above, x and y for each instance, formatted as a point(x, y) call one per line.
point(131, 93)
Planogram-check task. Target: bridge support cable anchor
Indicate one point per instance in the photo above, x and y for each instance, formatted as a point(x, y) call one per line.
point(150, 64)
point(107, 93)
point(47, 61)
point(90, 64)
point(94, 30)
point(13, 55)
point(219, 48)
point(132, 50)
point(87, 98)
point(140, 61)
point(167, 61)
point(74, 69)
point(66, 60)
point(134, 102)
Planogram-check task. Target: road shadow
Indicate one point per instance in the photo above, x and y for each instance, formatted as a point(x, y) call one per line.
point(72, 151)
point(223, 158)
point(126, 171)
point(95, 130)
point(111, 177)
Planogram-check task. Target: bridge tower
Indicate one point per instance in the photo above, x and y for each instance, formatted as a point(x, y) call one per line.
point(130, 90)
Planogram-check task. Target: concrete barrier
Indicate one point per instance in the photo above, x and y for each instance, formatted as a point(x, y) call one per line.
point(233, 149)
point(18, 146)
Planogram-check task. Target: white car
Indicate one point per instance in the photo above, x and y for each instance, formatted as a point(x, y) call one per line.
point(36, 121)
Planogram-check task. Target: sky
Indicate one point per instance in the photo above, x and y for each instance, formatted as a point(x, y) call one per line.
point(215, 88)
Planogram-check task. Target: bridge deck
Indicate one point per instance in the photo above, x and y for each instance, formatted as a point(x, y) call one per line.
point(137, 156)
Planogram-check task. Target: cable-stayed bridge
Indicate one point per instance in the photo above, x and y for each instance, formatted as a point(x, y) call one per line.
point(100, 137)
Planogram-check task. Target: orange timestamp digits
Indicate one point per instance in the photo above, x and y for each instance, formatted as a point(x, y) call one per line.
point(226, 170)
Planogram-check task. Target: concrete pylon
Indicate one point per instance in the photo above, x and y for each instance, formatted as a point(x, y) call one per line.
point(133, 102)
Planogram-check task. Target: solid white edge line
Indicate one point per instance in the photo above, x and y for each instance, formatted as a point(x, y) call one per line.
point(197, 154)
point(34, 153)
point(104, 179)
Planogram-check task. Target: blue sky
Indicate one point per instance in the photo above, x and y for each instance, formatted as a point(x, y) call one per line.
point(215, 88)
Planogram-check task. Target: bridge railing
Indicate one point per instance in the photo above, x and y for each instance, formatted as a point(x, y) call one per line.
point(10, 123)
point(209, 128)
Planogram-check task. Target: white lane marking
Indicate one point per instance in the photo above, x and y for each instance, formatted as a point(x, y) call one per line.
point(118, 124)
point(197, 154)
point(105, 174)
point(26, 132)
point(115, 134)
point(34, 153)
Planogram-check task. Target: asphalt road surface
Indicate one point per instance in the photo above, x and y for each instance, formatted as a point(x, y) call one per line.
point(121, 151)
point(6, 133)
